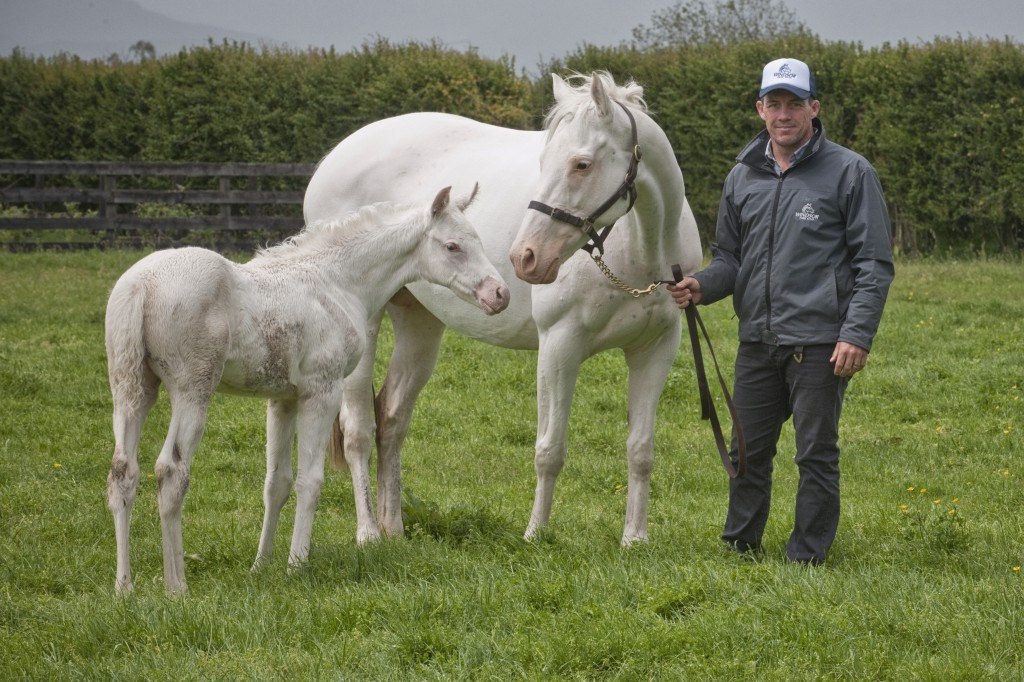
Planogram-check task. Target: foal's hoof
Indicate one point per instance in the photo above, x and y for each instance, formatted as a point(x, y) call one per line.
point(123, 588)
point(297, 566)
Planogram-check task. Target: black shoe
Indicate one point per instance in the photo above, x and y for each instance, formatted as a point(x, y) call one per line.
point(744, 549)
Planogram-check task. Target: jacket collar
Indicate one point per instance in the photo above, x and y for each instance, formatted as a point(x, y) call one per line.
point(753, 154)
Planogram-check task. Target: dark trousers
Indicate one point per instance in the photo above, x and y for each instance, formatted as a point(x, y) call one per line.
point(770, 387)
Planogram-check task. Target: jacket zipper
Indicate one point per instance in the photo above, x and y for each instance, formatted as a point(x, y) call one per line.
point(771, 255)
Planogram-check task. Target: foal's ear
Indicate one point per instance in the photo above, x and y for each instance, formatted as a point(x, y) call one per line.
point(440, 201)
point(464, 202)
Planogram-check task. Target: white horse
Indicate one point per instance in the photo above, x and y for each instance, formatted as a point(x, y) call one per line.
point(595, 135)
point(289, 325)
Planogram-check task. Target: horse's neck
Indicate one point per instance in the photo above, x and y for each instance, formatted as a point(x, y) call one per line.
point(660, 196)
point(373, 265)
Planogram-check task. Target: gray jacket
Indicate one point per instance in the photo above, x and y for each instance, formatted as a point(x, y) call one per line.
point(806, 256)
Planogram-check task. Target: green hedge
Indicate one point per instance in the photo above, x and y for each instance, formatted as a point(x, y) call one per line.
point(943, 122)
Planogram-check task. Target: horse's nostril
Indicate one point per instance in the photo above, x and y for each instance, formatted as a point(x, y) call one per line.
point(529, 260)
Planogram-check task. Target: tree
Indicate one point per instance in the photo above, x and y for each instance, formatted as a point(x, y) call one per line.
point(142, 50)
point(696, 22)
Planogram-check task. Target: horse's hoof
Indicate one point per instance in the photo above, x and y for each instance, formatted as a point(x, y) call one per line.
point(539, 534)
point(179, 592)
point(367, 536)
point(393, 528)
point(633, 540)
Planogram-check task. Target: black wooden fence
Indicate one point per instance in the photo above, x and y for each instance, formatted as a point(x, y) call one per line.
point(82, 204)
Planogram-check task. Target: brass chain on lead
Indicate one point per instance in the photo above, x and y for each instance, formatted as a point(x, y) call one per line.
point(632, 291)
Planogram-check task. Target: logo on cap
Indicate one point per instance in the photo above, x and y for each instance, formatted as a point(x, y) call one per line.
point(785, 72)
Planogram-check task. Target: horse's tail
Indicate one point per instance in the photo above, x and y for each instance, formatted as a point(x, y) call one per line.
point(336, 446)
point(126, 351)
point(336, 443)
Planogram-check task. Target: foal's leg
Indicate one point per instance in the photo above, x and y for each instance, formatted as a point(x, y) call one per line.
point(123, 480)
point(648, 369)
point(558, 365)
point(278, 483)
point(357, 424)
point(188, 419)
point(417, 342)
point(316, 415)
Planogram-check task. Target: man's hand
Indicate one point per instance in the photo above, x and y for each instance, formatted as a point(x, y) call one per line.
point(685, 292)
point(849, 359)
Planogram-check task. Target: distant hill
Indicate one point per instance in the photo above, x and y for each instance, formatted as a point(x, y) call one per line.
point(96, 29)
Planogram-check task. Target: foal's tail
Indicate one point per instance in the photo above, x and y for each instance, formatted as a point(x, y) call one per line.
point(126, 351)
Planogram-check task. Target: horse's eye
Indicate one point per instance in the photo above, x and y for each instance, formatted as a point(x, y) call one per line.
point(582, 165)
point(453, 247)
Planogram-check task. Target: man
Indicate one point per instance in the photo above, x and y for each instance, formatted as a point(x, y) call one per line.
point(804, 248)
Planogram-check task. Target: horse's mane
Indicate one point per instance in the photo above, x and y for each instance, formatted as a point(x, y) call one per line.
point(631, 94)
point(321, 235)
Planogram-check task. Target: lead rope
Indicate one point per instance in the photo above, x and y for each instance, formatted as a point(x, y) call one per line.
point(707, 405)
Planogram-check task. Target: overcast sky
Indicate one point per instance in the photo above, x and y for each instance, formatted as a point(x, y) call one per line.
point(536, 30)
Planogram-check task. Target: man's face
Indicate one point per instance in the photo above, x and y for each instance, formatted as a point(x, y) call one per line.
point(787, 119)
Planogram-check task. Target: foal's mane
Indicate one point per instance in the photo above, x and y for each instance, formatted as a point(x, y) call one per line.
point(631, 95)
point(325, 234)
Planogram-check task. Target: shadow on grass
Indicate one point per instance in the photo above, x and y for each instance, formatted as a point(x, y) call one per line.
point(458, 525)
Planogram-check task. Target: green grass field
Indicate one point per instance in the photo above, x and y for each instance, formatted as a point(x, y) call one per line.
point(924, 581)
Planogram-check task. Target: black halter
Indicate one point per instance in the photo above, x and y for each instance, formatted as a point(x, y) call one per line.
point(627, 190)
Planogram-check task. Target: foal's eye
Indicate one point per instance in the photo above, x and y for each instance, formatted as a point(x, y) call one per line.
point(582, 165)
point(453, 247)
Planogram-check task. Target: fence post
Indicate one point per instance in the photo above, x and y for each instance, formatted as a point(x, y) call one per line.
point(107, 208)
point(224, 184)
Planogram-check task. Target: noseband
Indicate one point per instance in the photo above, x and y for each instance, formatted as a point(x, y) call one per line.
point(627, 190)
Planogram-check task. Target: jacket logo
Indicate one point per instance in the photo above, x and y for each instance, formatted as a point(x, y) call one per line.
point(785, 72)
point(807, 213)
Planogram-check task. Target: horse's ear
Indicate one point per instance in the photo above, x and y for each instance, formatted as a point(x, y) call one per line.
point(600, 95)
point(440, 201)
point(464, 203)
point(560, 87)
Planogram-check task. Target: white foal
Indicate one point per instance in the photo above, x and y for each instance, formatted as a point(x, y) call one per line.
point(289, 325)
